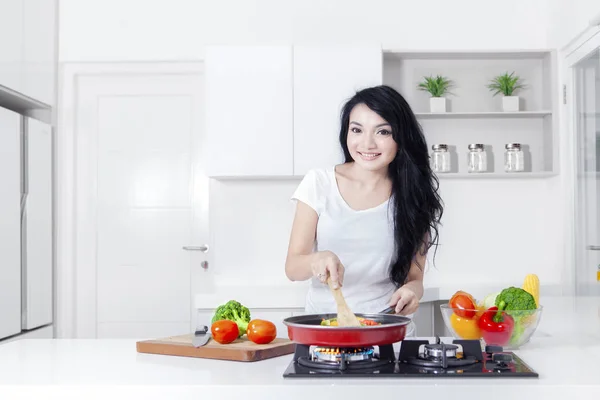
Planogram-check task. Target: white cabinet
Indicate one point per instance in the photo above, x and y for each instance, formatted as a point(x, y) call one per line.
point(28, 48)
point(11, 44)
point(37, 226)
point(39, 50)
point(249, 110)
point(10, 224)
point(324, 79)
point(275, 110)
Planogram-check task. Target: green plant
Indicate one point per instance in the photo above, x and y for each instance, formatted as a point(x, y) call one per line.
point(437, 86)
point(505, 84)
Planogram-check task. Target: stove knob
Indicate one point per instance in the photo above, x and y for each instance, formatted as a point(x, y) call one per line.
point(493, 349)
point(502, 357)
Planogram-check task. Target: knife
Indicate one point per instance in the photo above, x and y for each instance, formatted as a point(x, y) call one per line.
point(201, 336)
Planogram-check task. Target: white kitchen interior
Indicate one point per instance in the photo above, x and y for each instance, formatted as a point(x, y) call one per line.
point(149, 150)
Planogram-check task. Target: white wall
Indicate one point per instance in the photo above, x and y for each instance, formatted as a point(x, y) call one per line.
point(112, 30)
point(494, 231)
point(568, 18)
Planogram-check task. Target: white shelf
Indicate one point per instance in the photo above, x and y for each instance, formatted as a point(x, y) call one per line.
point(497, 175)
point(475, 115)
point(485, 114)
point(443, 54)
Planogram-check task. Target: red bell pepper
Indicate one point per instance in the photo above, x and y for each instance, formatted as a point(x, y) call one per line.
point(496, 325)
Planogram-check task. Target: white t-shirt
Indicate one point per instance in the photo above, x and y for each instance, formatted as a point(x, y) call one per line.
point(363, 241)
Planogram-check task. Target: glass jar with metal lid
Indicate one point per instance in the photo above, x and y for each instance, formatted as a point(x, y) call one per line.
point(514, 160)
point(477, 159)
point(440, 158)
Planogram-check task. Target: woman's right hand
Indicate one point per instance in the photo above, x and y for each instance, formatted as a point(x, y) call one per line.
point(327, 264)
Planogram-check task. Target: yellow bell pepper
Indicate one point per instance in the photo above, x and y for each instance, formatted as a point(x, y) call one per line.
point(466, 328)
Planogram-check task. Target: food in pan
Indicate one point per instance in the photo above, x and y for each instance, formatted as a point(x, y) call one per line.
point(363, 322)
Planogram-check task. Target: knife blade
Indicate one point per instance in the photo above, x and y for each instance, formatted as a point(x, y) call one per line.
point(201, 336)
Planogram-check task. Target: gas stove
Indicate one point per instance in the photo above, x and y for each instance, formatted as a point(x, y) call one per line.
point(416, 358)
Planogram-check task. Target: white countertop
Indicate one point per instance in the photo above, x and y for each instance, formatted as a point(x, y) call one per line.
point(565, 352)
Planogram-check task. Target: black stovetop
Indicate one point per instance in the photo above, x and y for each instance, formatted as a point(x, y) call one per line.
point(492, 362)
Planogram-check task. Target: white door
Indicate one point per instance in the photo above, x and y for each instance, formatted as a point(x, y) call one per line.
point(10, 224)
point(141, 197)
point(585, 74)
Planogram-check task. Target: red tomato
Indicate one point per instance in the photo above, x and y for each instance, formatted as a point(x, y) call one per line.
point(463, 304)
point(224, 331)
point(261, 331)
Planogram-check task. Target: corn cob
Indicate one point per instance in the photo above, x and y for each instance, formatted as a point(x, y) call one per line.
point(532, 286)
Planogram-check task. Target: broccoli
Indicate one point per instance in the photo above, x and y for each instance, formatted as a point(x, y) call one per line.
point(519, 305)
point(233, 311)
point(516, 299)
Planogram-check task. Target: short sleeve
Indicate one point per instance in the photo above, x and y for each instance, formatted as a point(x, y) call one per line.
point(310, 191)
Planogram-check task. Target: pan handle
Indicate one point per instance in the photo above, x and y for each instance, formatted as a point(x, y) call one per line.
point(389, 310)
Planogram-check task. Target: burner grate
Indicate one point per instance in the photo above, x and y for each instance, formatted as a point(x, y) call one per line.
point(336, 360)
point(343, 354)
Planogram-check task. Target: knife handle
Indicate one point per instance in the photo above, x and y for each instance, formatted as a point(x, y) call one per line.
point(201, 331)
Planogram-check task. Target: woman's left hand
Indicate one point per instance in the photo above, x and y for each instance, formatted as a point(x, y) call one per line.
point(405, 301)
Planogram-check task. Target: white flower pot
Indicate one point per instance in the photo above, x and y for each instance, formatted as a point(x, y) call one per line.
point(437, 104)
point(510, 103)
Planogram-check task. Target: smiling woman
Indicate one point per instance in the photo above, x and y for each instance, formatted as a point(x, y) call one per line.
point(369, 222)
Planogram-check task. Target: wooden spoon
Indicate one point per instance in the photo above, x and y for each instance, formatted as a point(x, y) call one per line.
point(345, 316)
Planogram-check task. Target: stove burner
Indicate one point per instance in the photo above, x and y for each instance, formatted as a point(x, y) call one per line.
point(436, 350)
point(417, 358)
point(440, 355)
point(342, 354)
point(439, 363)
point(328, 359)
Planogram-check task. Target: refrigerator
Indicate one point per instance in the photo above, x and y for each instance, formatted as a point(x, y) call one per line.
point(26, 220)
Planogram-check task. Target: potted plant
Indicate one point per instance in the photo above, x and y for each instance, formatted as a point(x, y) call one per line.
point(437, 87)
point(507, 84)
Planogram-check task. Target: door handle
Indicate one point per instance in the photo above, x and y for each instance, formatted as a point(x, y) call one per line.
point(597, 248)
point(203, 249)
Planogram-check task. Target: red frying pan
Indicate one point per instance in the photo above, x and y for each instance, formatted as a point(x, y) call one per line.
point(307, 329)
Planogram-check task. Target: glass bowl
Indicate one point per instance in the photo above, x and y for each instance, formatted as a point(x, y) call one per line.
point(510, 329)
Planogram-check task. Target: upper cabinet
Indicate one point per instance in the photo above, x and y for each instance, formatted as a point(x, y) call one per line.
point(11, 44)
point(324, 79)
point(249, 111)
point(28, 41)
point(39, 50)
point(275, 110)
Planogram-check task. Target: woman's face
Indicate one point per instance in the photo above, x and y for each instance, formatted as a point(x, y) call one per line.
point(370, 140)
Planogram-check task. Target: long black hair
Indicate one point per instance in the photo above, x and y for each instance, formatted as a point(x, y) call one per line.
point(417, 205)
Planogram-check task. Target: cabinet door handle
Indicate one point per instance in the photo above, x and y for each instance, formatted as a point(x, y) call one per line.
point(196, 248)
point(597, 248)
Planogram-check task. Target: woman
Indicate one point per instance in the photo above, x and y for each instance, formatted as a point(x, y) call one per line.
point(368, 223)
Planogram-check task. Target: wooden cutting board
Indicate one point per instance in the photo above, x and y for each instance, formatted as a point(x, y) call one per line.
point(241, 349)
